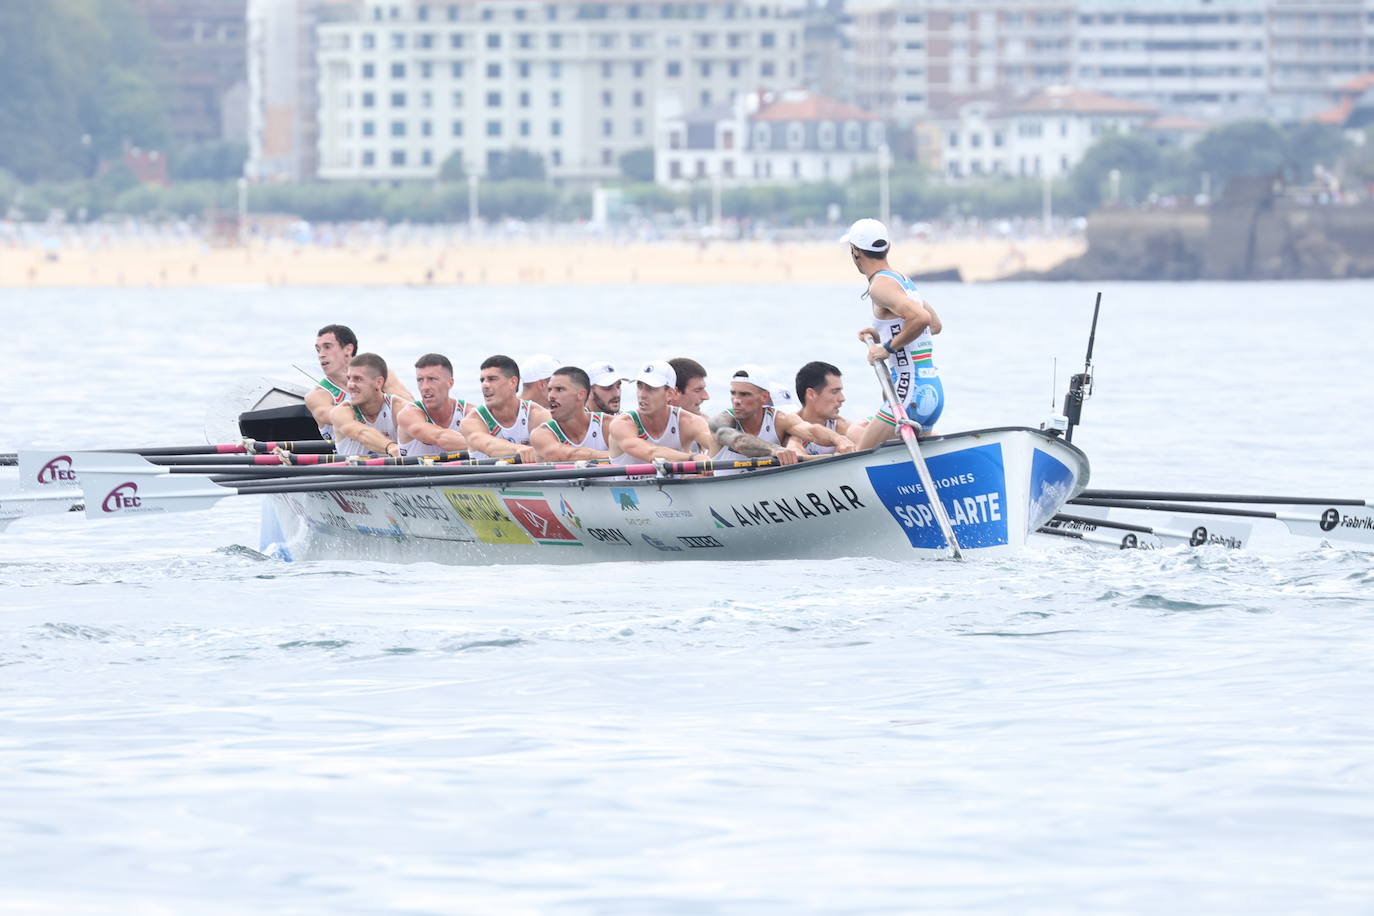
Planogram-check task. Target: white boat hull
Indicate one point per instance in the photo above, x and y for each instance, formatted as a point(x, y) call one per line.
point(997, 485)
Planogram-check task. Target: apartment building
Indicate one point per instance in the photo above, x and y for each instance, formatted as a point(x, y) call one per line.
point(404, 85)
point(1213, 59)
point(200, 46)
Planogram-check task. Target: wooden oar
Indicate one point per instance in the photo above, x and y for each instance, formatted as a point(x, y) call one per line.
point(111, 491)
point(906, 428)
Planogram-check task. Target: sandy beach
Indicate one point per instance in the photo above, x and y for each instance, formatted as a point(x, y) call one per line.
point(281, 263)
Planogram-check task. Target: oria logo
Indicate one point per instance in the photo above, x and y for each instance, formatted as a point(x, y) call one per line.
point(57, 470)
point(124, 496)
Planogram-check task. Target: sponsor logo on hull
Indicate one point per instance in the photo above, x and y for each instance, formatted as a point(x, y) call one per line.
point(783, 509)
point(533, 513)
point(486, 517)
point(972, 486)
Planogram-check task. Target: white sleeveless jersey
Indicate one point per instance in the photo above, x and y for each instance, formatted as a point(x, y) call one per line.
point(518, 432)
point(423, 449)
point(814, 449)
point(384, 424)
point(594, 438)
point(671, 437)
point(912, 361)
point(768, 432)
point(340, 396)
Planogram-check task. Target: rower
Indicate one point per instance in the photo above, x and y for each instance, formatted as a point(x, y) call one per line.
point(429, 425)
point(538, 368)
point(753, 428)
point(690, 385)
point(901, 331)
point(605, 381)
point(501, 426)
point(335, 345)
point(573, 433)
point(366, 424)
point(821, 390)
point(658, 429)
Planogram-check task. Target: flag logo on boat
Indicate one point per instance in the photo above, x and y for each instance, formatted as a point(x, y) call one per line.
point(565, 512)
point(532, 512)
point(720, 522)
point(626, 498)
point(486, 517)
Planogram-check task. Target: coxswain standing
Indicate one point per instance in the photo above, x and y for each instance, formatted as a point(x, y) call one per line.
point(901, 332)
point(366, 424)
point(658, 429)
point(573, 433)
point(335, 345)
point(429, 425)
point(501, 426)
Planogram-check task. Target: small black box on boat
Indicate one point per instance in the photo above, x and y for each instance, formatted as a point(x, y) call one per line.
point(279, 424)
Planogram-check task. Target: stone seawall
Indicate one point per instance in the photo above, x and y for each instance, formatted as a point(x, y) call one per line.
point(1245, 236)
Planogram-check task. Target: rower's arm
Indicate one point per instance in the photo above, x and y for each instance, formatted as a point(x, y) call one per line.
point(347, 426)
point(887, 293)
point(411, 421)
point(936, 326)
point(798, 432)
point(625, 436)
point(479, 439)
point(321, 405)
point(397, 387)
point(723, 426)
point(547, 447)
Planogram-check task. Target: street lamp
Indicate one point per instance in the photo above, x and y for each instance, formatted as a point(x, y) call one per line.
point(243, 210)
point(884, 194)
point(473, 220)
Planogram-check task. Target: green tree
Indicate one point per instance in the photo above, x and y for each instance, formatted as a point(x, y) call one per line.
point(516, 163)
point(215, 161)
point(452, 169)
point(1134, 158)
point(1241, 148)
point(638, 165)
point(1310, 144)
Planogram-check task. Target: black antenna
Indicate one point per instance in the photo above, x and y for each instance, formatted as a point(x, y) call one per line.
point(1081, 384)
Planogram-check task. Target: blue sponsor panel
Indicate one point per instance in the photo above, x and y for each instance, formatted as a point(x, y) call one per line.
point(1051, 482)
point(973, 486)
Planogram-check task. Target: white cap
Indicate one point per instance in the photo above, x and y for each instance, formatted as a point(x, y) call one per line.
point(783, 397)
point(868, 235)
point(657, 374)
point(604, 374)
point(537, 368)
point(752, 375)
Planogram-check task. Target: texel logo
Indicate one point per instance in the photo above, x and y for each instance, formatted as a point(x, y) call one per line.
point(626, 499)
point(58, 469)
point(1330, 519)
point(124, 496)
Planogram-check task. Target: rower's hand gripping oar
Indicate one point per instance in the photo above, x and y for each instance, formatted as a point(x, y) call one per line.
point(906, 428)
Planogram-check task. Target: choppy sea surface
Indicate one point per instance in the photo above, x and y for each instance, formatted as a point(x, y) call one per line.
point(187, 726)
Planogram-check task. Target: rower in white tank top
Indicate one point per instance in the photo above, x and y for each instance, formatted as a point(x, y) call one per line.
point(595, 436)
point(384, 424)
point(518, 432)
point(768, 432)
point(671, 437)
point(814, 449)
point(340, 396)
point(416, 448)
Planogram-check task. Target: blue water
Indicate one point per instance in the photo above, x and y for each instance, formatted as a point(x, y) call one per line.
point(186, 726)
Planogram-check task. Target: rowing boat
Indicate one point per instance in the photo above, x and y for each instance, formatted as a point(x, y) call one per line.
point(997, 485)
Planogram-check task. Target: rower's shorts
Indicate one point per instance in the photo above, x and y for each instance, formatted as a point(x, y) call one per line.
point(926, 404)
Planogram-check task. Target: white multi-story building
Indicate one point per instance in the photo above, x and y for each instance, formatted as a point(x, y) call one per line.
point(760, 138)
point(1217, 59)
point(404, 84)
point(1043, 135)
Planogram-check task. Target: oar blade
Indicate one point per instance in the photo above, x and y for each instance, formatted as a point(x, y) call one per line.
point(26, 504)
point(46, 469)
point(118, 485)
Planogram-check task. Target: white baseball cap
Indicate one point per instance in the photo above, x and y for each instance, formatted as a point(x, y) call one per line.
point(538, 367)
point(752, 375)
point(604, 374)
point(868, 235)
point(657, 374)
point(783, 397)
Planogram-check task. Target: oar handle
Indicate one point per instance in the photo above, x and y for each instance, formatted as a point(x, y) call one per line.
point(906, 429)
